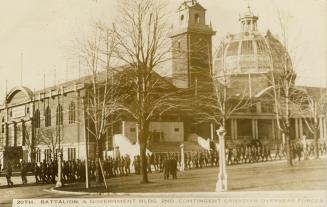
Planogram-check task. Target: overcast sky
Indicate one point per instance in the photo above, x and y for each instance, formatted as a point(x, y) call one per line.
point(43, 31)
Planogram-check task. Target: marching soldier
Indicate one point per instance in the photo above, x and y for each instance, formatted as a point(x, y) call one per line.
point(166, 168)
point(9, 174)
point(44, 169)
point(37, 172)
point(23, 172)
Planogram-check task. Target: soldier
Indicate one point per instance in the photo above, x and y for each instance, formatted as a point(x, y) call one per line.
point(121, 165)
point(23, 172)
point(148, 162)
point(9, 174)
point(37, 172)
point(52, 172)
point(278, 152)
point(166, 168)
point(44, 169)
point(127, 165)
point(135, 165)
point(110, 166)
point(173, 167)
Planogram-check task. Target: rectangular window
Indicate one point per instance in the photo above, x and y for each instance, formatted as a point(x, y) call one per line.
point(71, 153)
point(132, 129)
point(176, 129)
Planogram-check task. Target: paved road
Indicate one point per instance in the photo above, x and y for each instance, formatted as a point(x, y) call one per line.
point(270, 176)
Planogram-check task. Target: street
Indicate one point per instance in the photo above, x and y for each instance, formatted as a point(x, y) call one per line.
point(267, 176)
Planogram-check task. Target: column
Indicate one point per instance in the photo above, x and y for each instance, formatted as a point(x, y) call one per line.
point(123, 128)
point(325, 128)
point(301, 128)
point(182, 167)
point(232, 129)
point(211, 131)
point(321, 128)
point(15, 134)
point(256, 129)
point(221, 184)
point(273, 129)
point(6, 135)
point(296, 128)
point(235, 128)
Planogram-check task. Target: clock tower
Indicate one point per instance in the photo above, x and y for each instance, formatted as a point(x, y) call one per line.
point(191, 45)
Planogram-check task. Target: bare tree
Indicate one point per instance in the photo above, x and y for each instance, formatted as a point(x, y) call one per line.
point(51, 137)
point(283, 84)
point(312, 109)
point(104, 98)
point(142, 32)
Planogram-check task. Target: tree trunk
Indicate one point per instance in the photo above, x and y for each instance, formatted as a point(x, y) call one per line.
point(98, 177)
point(289, 150)
point(144, 126)
point(316, 140)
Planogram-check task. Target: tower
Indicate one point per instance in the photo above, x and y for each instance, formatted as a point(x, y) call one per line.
point(249, 21)
point(191, 45)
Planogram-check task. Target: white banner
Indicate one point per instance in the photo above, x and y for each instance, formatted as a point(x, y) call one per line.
point(310, 199)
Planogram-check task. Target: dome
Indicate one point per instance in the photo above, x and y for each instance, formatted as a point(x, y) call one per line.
point(250, 51)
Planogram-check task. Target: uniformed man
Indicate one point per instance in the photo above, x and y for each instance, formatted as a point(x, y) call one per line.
point(166, 168)
point(9, 174)
point(173, 167)
point(44, 169)
point(23, 172)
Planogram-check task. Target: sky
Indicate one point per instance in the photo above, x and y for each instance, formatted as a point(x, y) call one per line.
point(37, 36)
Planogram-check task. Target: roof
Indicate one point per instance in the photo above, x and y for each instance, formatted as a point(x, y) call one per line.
point(191, 4)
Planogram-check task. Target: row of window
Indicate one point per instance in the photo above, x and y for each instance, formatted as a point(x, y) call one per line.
point(59, 115)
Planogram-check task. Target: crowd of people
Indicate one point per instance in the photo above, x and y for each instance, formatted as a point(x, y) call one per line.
point(167, 163)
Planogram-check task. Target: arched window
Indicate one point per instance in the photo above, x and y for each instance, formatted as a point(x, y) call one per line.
point(59, 115)
point(47, 116)
point(37, 118)
point(72, 114)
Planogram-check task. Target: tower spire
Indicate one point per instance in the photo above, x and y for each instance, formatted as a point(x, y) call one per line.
point(248, 20)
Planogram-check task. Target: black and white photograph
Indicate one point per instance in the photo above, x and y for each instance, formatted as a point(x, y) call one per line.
point(163, 102)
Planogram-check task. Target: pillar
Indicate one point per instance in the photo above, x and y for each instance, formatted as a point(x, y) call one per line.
point(232, 129)
point(221, 184)
point(15, 134)
point(123, 128)
point(235, 128)
point(273, 129)
point(297, 128)
point(6, 135)
point(255, 128)
point(325, 128)
point(301, 127)
point(182, 167)
point(321, 128)
point(211, 131)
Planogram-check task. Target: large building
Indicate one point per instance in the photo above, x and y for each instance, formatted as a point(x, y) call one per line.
point(34, 123)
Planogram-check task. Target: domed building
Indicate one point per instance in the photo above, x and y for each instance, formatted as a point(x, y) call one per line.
point(248, 60)
point(249, 57)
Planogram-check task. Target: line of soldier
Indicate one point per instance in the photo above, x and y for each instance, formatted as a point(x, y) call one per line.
point(113, 167)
